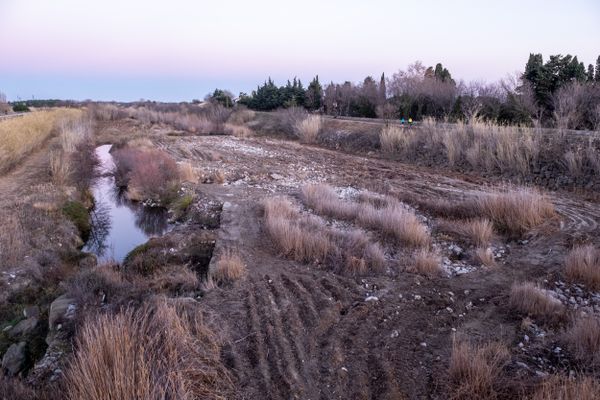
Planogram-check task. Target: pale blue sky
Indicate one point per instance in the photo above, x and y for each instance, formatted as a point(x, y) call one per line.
point(179, 50)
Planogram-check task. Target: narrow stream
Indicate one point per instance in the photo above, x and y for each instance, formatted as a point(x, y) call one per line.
point(119, 225)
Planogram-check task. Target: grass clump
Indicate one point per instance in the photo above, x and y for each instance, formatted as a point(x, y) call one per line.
point(559, 387)
point(583, 340)
point(528, 298)
point(582, 264)
point(229, 268)
point(426, 262)
point(182, 205)
point(79, 215)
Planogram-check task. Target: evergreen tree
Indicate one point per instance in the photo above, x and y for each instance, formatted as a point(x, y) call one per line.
point(597, 77)
point(314, 95)
point(442, 73)
point(382, 89)
point(590, 73)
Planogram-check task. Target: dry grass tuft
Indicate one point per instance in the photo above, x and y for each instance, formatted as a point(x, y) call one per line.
point(238, 130)
point(188, 173)
point(474, 370)
point(515, 211)
point(164, 350)
point(229, 268)
point(582, 264)
point(583, 340)
point(527, 298)
point(218, 177)
point(308, 129)
point(480, 231)
point(426, 262)
point(485, 256)
point(565, 388)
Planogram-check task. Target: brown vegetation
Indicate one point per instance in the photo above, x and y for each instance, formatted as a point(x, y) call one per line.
point(229, 268)
point(582, 265)
point(308, 129)
point(583, 340)
point(565, 388)
point(527, 298)
point(426, 263)
point(475, 369)
point(164, 350)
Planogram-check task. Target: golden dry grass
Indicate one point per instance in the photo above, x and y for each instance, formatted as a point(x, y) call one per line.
point(20, 136)
point(238, 130)
point(188, 173)
point(559, 387)
point(164, 350)
point(475, 369)
point(528, 298)
point(582, 265)
point(485, 256)
point(426, 262)
point(480, 231)
point(583, 340)
point(515, 211)
point(308, 129)
point(386, 215)
point(229, 268)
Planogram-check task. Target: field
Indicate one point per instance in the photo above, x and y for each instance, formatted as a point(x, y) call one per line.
point(320, 259)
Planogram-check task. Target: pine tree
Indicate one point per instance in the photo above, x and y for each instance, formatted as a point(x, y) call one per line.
point(314, 95)
point(597, 77)
point(382, 90)
point(590, 73)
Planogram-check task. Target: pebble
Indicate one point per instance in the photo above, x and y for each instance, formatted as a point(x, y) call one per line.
point(395, 334)
point(372, 298)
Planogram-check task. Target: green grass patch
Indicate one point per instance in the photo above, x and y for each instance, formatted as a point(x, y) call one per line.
point(80, 216)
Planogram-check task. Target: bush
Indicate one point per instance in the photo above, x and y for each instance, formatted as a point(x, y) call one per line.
point(426, 263)
point(583, 340)
point(527, 298)
point(20, 107)
point(308, 129)
point(229, 268)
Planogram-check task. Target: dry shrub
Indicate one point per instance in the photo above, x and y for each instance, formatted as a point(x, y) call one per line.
point(20, 136)
point(323, 199)
point(583, 340)
point(60, 168)
point(173, 279)
point(426, 262)
point(475, 369)
point(187, 172)
point(229, 268)
point(164, 350)
point(515, 211)
point(218, 176)
point(241, 116)
point(308, 129)
point(564, 388)
point(574, 162)
point(480, 231)
point(395, 139)
point(238, 130)
point(582, 264)
point(91, 286)
point(290, 117)
point(151, 173)
point(485, 256)
point(527, 298)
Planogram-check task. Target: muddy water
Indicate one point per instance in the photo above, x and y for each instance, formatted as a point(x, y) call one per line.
point(119, 225)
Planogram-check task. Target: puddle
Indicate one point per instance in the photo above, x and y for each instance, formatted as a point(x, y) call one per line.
point(119, 225)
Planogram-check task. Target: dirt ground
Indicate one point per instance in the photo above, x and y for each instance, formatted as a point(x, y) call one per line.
point(299, 331)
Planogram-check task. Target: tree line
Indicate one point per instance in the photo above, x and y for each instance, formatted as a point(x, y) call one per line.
point(558, 92)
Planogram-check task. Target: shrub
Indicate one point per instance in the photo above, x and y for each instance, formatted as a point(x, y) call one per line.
point(475, 369)
point(527, 298)
point(582, 264)
point(241, 115)
point(148, 174)
point(79, 215)
point(308, 129)
point(485, 256)
point(290, 117)
point(20, 107)
point(229, 268)
point(60, 168)
point(188, 173)
point(583, 340)
point(394, 139)
point(480, 231)
point(565, 388)
point(164, 350)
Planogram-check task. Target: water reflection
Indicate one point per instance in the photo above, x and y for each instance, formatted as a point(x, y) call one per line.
point(119, 225)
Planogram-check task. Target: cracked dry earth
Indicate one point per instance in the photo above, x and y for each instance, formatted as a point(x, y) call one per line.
point(299, 331)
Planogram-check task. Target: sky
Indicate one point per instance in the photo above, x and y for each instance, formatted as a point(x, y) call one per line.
point(179, 50)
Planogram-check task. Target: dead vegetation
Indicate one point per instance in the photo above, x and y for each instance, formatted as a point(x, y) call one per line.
point(164, 350)
point(389, 217)
point(229, 268)
point(308, 129)
point(528, 298)
point(426, 262)
point(305, 238)
point(583, 340)
point(475, 369)
point(21, 136)
point(559, 387)
point(582, 265)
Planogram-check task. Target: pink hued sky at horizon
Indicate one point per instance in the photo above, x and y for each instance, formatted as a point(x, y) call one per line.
point(178, 50)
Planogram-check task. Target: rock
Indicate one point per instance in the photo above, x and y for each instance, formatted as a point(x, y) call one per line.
point(24, 327)
point(276, 176)
point(14, 358)
point(62, 307)
point(395, 334)
point(31, 311)
point(372, 298)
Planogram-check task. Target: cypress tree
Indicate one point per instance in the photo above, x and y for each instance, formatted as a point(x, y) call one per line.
point(382, 90)
point(597, 77)
point(590, 73)
point(314, 94)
